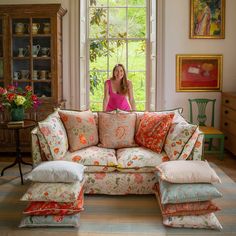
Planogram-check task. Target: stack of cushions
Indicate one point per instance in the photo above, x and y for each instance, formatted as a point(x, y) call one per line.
point(55, 196)
point(185, 192)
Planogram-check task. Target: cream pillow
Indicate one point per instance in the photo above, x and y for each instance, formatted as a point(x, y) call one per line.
point(57, 171)
point(187, 172)
point(81, 129)
point(116, 130)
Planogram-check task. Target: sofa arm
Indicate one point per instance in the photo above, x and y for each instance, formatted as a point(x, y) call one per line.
point(35, 146)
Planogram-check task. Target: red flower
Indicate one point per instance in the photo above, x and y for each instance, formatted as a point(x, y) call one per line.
point(28, 88)
point(10, 96)
point(34, 97)
point(11, 88)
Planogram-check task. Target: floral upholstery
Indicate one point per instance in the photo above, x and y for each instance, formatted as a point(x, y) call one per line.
point(94, 158)
point(138, 159)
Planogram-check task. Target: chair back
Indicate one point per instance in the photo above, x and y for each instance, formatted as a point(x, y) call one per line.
point(201, 109)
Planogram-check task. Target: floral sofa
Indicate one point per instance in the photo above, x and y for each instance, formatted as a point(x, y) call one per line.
point(116, 147)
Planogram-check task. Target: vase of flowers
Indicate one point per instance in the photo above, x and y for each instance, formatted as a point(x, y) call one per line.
point(17, 100)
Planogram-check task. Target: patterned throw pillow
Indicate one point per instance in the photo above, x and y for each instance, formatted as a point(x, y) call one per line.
point(152, 130)
point(187, 172)
point(177, 137)
point(55, 208)
point(55, 136)
point(208, 221)
point(116, 130)
point(180, 193)
point(57, 192)
point(51, 221)
point(81, 129)
point(187, 208)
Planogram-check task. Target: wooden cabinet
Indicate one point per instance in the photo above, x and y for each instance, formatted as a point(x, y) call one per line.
point(228, 121)
point(31, 54)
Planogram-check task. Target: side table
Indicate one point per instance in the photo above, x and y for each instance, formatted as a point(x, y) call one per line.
point(16, 129)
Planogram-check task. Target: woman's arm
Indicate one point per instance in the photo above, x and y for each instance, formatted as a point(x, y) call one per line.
point(131, 95)
point(106, 96)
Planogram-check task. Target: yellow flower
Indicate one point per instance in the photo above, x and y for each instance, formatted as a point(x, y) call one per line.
point(19, 100)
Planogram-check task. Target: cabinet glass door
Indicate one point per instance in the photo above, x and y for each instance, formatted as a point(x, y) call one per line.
point(1, 54)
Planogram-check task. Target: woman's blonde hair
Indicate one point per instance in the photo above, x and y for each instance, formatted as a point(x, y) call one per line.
point(124, 82)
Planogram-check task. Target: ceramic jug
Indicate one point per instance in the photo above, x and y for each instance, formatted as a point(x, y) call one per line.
point(35, 50)
point(19, 28)
point(35, 28)
point(46, 28)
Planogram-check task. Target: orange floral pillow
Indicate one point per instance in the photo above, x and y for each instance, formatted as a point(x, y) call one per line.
point(55, 208)
point(152, 130)
point(81, 129)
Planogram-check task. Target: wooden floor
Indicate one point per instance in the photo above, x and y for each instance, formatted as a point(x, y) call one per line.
point(228, 165)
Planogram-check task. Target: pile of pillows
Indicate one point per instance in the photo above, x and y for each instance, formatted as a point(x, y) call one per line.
point(185, 192)
point(55, 196)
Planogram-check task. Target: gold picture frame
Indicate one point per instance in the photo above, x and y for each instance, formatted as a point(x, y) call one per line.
point(198, 72)
point(207, 19)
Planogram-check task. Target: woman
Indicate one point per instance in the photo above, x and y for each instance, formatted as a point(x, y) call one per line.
point(118, 91)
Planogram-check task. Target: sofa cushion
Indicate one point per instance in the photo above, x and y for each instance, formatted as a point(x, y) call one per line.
point(177, 137)
point(138, 159)
point(116, 130)
point(80, 127)
point(152, 130)
point(96, 159)
point(55, 136)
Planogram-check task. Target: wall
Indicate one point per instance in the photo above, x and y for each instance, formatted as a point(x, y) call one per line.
point(176, 41)
point(176, 15)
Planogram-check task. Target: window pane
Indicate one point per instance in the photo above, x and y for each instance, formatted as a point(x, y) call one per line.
point(139, 88)
point(137, 55)
point(136, 22)
point(117, 3)
point(117, 23)
point(97, 22)
point(117, 53)
point(97, 80)
point(136, 2)
point(98, 54)
point(97, 3)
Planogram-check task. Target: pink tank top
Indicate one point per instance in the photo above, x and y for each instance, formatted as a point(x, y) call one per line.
point(117, 101)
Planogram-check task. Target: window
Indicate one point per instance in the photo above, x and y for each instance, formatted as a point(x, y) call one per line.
point(118, 31)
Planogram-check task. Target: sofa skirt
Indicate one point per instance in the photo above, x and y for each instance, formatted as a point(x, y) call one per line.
point(118, 183)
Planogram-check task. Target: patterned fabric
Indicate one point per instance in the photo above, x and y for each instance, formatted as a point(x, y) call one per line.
point(96, 159)
point(152, 130)
point(188, 208)
point(180, 193)
point(198, 146)
point(137, 158)
point(177, 137)
point(58, 192)
point(55, 208)
point(208, 221)
point(117, 183)
point(187, 172)
point(116, 130)
point(81, 129)
point(51, 221)
point(44, 147)
point(55, 135)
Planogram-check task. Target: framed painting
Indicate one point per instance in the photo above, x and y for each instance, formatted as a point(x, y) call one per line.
point(207, 19)
point(198, 73)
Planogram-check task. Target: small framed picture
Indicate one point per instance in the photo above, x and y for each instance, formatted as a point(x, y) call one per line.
point(198, 73)
point(207, 19)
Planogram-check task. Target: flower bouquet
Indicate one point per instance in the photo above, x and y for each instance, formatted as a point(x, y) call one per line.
point(17, 100)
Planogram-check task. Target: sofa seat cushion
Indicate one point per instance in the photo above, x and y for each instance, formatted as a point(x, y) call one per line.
point(139, 159)
point(94, 158)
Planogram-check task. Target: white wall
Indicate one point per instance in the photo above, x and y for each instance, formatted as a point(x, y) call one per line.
point(176, 40)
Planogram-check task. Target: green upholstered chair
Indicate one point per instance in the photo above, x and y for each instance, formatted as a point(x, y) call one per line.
point(209, 131)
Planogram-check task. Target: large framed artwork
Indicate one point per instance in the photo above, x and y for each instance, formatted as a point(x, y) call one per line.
point(207, 19)
point(197, 73)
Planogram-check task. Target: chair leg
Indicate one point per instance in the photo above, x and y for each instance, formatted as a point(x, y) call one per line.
point(222, 141)
point(210, 144)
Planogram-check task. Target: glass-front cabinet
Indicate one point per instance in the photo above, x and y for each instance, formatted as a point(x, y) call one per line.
point(31, 54)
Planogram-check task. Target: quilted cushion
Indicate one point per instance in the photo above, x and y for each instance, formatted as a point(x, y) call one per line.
point(152, 130)
point(177, 137)
point(116, 130)
point(80, 127)
point(55, 136)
